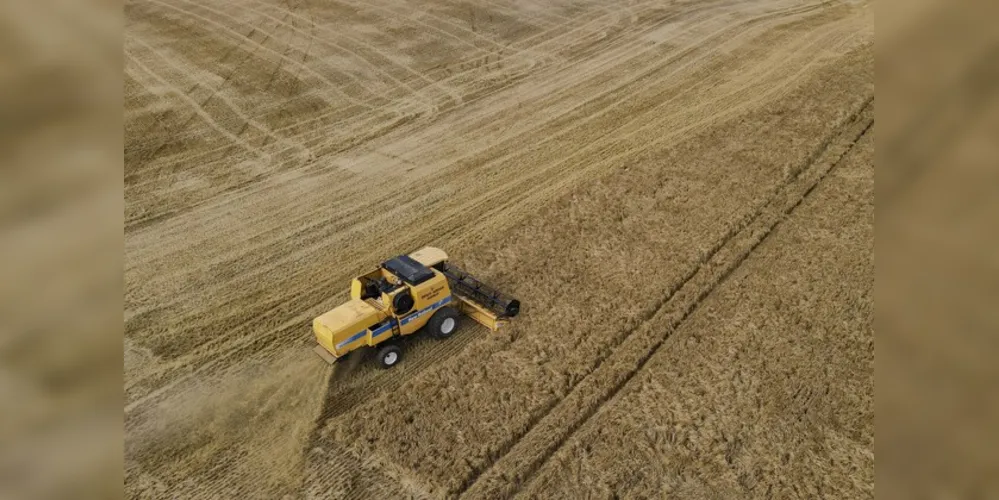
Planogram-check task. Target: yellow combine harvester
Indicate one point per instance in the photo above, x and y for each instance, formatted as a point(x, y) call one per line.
point(403, 295)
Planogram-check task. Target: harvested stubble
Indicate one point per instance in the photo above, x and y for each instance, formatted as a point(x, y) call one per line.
point(768, 387)
point(455, 421)
point(589, 159)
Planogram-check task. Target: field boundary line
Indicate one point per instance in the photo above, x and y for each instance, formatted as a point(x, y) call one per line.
point(516, 466)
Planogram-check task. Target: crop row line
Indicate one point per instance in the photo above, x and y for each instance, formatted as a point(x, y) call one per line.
point(518, 465)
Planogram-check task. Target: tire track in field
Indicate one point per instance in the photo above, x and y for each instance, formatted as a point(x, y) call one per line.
point(216, 93)
point(561, 69)
point(451, 77)
point(608, 57)
point(517, 465)
point(251, 340)
point(448, 226)
point(612, 58)
point(343, 393)
point(523, 200)
point(495, 90)
point(194, 105)
point(373, 5)
point(338, 122)
point(392, 100)
point(535, 21)
point(605, 61)
point(454, 76)
point(330, 84)
point(382, 55)
point(376, 94)
point(158, 123)
point(817, 37)
point(370, 6)
point(360, 210)
point(143, 153)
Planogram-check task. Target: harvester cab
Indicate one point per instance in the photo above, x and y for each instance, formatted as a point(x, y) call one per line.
point(404, 295)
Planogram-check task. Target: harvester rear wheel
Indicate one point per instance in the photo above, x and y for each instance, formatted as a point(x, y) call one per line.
point(443, 323)
point(389, 356)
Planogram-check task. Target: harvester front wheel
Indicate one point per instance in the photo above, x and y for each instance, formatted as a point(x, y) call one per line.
point(443, 323)
point(389, 356)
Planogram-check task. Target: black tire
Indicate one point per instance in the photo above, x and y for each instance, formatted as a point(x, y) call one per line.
point(402, 303)
point(389, 356)
point(513, 308)
point(443, 323)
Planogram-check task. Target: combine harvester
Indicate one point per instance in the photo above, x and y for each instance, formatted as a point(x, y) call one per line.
point(403, 295)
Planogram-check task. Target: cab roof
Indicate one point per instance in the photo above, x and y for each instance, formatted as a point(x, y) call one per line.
point(408, 269)
point(429, 256)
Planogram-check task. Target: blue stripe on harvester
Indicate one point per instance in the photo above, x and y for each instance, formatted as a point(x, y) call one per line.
point(382, 329)
point(352, 338)
point(421, 312)
point(388, 326)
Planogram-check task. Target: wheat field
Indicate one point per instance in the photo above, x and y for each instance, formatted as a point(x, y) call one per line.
point(679, 192)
